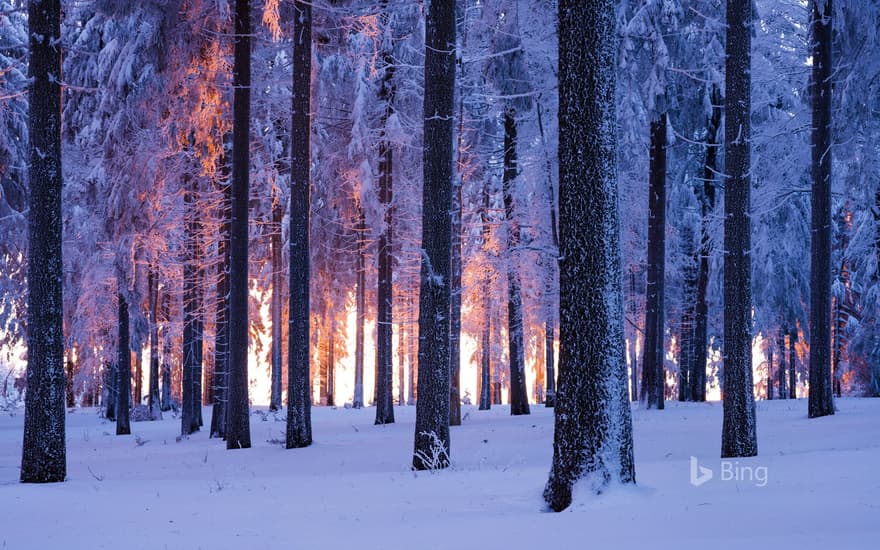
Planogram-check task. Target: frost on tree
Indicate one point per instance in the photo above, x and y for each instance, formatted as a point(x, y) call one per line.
point(299, 394)
point(593, 433)
point(43, 457)
point(238, 432)
point(738, 436)
point(820, 401)
point(431, 448)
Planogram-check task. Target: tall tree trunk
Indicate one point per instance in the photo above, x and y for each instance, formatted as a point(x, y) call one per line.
point(331, 364)
point(123, 352)
point(44, 455)
point(385, 286)
point(192, 341)
point(519, 397)
point(299, 388)
point(686, 326)
point(485, 333)
point(550, 290)
point(153, 299)
point(111, 376)
point(221, 314)
point(820, 397)
point(707, 206)
point(277, 304)
point(738, 437)
point(431, 445)
point(401, 364)
point(792, 364)
point(770, 369)
point(360, 315)
point(412, 350)
point(653, 373)
point(634, 355)
point(138, 376)
point(781, 370)
point(238, 429)
point(593, 431)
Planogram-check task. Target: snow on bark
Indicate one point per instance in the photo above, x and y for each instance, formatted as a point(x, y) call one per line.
point(593, 433)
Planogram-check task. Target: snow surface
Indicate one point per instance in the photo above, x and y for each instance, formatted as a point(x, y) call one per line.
point(353, 487)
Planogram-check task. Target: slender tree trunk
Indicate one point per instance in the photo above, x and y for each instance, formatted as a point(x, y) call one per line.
point(238, 430)
point(44, 455)
point(550, 289)
point(519, 397)
point(110, 378)
point(412, 351)
point(331, 365)
point(485, 333)
point(634, 355)
point(431, 446)
point(738, 437)
point(821, 401)
point(299, 389)
point(385, 286)
point(138, 376)
point(166, 373)
point(153, 299)
point(276, 305)
point(401, 364)
point(360, 306)
point(769, 370)
point(781, 370)
point(192, 341)
point(792, 364)
point(707, 206)
point(653, 373)
point(221, 314)
point(593, 432)
point(123, 397)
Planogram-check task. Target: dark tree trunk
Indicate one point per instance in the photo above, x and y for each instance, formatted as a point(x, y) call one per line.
point(44, 456)
point(431, 446)
point(331, 365)
point(360, 314)
point(738, 431)
point(277, 304)
point(123, 353)
point(192, 329)
point(519, 397)
point(593, 432)
point(70, 369)
point(707, 206)
point(486, 332)
point(634, 355)
point(821, 401)
point(385, 285)
point(792, 364)
point(552, 259)
point(653, 373)
point(153, 299)
point(781, 370)
point(138, 376)
point(111, 382)
point(238, 430)
point(401, 364)
point(770, 370)
point(686, 326)
point(299, 388)
point(221, 314)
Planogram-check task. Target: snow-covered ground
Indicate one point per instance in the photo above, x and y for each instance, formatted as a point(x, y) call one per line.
point(353, 487)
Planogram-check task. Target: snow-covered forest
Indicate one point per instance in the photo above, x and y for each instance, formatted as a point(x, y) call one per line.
point(381, 225)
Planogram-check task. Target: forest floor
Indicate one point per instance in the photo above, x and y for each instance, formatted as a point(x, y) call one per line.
point(814, 485)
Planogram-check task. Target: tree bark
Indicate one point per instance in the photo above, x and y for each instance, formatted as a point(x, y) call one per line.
point(385, 285)
point(153, 299)
point(44, 456)
point(792, 364)
point(821, 401)
point(238, 431)
point(738, 436)
point(593, 432)
point(277, 304)
point(781, 370)
point(221, 314)
point(192, 337)
point(707, 206)
point(653, 373)
point(519, 397)
point(123, 352)
point(431, 445)
point(299, 389)
point(360, 305)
